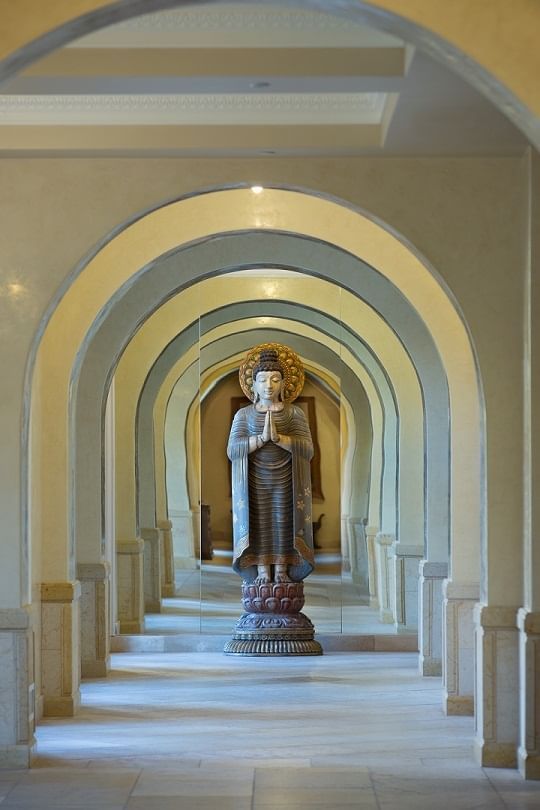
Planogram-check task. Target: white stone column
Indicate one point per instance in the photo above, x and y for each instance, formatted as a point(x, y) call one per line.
point(167, 558)
point(529, 692)
point(60, 648)
point(17, 688)
point(407, 559)
point(459, 601)
point(152, 570)
point(371, 533)
point(497, 674)
point(430, 612)
point(95, 619)
point(385, 560)
point(130, 586)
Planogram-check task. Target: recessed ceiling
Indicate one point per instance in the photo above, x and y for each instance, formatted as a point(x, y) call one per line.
point(245, 80)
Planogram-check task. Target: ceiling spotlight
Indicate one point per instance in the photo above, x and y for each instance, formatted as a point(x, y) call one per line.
point(259, 85)
point(256, 189)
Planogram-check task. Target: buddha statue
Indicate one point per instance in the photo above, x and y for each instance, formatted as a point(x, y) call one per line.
point(270, 448)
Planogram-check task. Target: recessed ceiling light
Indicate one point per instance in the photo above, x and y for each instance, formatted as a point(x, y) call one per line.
point(259, 85)
point(257, 189)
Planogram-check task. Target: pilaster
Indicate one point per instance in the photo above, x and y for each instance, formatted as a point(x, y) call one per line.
point(95, 619)
point(459, 600)
point(385, 560)
point(497, 686)
point(371, 534)
point(430, 611)
point(529, 694)
point(152, 570)
point(407, 559)
point(168, 588)
point(17, 689)
point(60, 648)
point(130, 583)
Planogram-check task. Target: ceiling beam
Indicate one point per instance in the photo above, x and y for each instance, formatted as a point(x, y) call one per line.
point(248, 62)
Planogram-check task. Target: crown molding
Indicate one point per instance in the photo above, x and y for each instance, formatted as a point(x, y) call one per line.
point(201, 108)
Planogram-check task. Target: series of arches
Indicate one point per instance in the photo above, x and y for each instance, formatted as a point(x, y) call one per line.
point(131, 301)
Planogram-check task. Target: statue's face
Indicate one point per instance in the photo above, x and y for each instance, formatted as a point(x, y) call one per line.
point(267, 385)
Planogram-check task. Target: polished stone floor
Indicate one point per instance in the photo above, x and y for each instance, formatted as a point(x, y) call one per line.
point(202, 730)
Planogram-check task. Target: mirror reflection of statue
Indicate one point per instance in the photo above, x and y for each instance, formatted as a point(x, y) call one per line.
point(270, 448)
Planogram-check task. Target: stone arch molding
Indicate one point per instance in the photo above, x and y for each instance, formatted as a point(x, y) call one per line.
point(116, 266)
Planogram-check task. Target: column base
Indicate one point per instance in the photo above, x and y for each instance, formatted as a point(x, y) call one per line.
point(186, 563)
point(497, 674)
point(495, 755)
point(406, 560)
point(459, 600)
point(152, 570)
point(458, 706)
point(167, 558)
point(432, 576)
point(529, 694)
point(17, 688)
point(528, 763)
point(95, 631)
point(60, 648)
point(130, 627)
point(15, 757)
point(61, 706)
point(130, 582)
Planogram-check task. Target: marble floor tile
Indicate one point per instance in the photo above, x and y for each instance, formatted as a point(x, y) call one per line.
point(189, 803)
point(204, 731)
point(314, 779)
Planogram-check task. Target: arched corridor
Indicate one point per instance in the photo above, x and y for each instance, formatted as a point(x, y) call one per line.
point(139, 269)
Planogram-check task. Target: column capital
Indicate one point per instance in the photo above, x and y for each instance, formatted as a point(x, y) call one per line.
point(60, 591)
point(385, 539)
point(14, 619)
point(495, 616)
point(164, 525)
point(130, 546)
point(405, 550)
point(528, 621)
point(437, 570)
point(461, 590)
point(94, 571)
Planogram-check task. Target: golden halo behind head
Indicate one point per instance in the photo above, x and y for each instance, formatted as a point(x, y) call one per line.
point(291, 368)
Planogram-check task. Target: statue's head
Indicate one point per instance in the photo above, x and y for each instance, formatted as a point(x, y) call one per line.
point(268, 376)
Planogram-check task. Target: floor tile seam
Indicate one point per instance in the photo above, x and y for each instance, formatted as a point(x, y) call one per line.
point(134, 785)
point(493, 784)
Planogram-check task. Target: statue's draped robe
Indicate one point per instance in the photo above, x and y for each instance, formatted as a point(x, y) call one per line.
point(271, 494)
